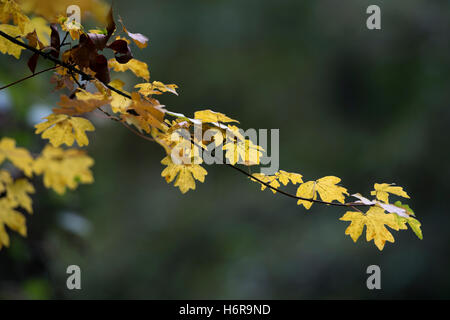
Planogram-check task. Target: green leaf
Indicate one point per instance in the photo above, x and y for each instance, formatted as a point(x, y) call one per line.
point(415, 226)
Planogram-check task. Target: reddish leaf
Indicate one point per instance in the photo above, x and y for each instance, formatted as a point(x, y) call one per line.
point(100, 66)
point(55, 41)
point(32, 62)
point(111, 26)
point(121, 50)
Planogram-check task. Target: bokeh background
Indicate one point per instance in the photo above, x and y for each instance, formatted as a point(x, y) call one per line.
point(367, 106)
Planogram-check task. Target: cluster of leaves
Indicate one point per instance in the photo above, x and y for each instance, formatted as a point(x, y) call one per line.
point(140, 111)
point(60, 169)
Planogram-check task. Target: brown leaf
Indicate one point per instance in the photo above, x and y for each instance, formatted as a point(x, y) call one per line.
point(121, 50)
point(32, 62)
point(73, 107)
point(100, 66)
point(55, 41)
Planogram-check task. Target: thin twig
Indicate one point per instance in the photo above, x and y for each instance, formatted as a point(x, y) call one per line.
point(29, 77)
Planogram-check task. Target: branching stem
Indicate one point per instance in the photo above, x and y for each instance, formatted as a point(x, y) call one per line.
point(72, 69)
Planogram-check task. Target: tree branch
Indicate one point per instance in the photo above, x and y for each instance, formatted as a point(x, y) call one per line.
point(87, 77)
point(30, 76)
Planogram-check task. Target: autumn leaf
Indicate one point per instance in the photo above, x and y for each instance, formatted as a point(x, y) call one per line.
point(326, 187)
point(62, 129)
point(279, 177)
point(243, 151)
point(412, 222)
point(119, 103)
point(271, 180)
point(72, 26)
point(382, 191)
point(147, 113)
point(284, 177)
point(5, 179)
point(212, 116)
point(185, 174)
point(19, 157)
point(42, 29)
point(6, 46)
point(63, 169)
point(157, 87)
point(375, 221)
point(85, 102)
point(17, 192)
point(11, 218)
point(139, 68)
point(10, 10)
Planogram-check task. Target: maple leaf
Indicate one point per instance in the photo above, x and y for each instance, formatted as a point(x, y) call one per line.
point(5, 179)
point(10, 10)
point(20, 157)
point(42, 29)
point(284, 177)
point(246, 150)
point(271, 180)
point(281, 176)
point(85, 102)
point(72, 26)
point(139, 68)
point(63, 168)
point(157, 87)
point(382, 191)
point(17, 193)
point(212, 116)
point(118, 102)
point(326, 187)
point(185, 174)
point(148, 113)
point(62, 129)
point(375, 221)
point(7, 46)
point(12, 219)
point(413, 223)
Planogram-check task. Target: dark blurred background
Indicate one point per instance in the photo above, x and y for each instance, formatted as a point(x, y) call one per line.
point(366, 106)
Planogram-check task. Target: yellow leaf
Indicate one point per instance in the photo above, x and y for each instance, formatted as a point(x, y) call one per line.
point(62, 129)
point(12, 219)
point(6, 46)
point(17, 193)
point(326, 187)
point(119, 103)
point(19, 157)
point(185, 174)
point(139, 68)
point(245, 151)
point(85, 102)
point(382, 191)
point(64, 168)
point(156, 87)
point(72, 26)
point(271, 180)
point(5, 179)
point(284, 177)
point(274, 180)
point(42, 29)
point(212, 116)
point(10, 10)
point(375, 220)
